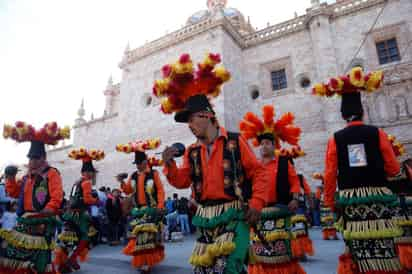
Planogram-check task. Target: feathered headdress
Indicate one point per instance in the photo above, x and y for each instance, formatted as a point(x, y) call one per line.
point(138, 146)
point(292, 152)
point(49, 134)
point(181, 81)
point(397, 147)
point(283, 129)
point(355, 81)
point(87, 156)
point(139, 149)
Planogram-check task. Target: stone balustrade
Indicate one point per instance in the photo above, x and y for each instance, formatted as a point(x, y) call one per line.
point(274, 31)
point(346, 7)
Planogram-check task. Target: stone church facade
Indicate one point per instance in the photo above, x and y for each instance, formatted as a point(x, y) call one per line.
point(276, 65)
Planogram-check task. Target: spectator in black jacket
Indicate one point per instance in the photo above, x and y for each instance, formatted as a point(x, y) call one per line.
point(114, 214)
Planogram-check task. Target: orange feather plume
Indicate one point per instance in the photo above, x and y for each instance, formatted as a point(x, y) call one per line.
point(268, 114)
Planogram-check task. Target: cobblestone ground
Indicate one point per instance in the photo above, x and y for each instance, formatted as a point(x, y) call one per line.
point(105, 259)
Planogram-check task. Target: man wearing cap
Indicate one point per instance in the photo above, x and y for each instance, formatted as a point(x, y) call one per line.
point(358, 160)
point(27, 249)
point(227, 180)
point(273, 229)
point(74, 240)
point(145, 243)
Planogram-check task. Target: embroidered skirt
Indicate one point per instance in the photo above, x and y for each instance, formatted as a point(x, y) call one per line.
point(145, 237)
point(28, 248)
point(301, 243)
point(76, 228)
point(271, 250)
point(327, 220)
point(223, 241)
point(369, 229)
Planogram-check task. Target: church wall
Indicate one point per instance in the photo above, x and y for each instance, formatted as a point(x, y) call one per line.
point(295, 53)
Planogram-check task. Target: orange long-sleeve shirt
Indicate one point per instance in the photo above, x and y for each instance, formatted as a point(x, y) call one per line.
point(55, 185)
point(88, 198)
point(128, 187)
point(391, 164)
point(213, 175)
point(272, 169)
point(159, 189)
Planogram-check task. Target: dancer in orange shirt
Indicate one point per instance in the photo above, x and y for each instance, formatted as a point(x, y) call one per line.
point(145, 239)
point(28, 248)
point(74, 240)
point(358, 160)
point(227, 180)
point(271, 251)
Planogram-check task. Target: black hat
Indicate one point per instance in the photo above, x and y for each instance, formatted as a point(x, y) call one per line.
point(267, 136)
point(139, 157)
point(11, 170)
point(351, 105)
point(194, 104)
point(88, 167)
point(37, 150)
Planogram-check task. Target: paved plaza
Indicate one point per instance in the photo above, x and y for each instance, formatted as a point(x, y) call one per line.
point(109, 260)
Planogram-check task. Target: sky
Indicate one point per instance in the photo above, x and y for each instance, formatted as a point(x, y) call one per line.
point(53, 53)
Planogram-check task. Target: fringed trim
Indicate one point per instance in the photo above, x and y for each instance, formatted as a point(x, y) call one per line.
point(297, 249)
point(403, 240)
point(299, 233)
point(380, 266)
point(213, 211)
point(306, 243)
point(92, 231)
point(150, 228)
point(68, 237)
point(275, 260)
point(298, 219)
point(405, 255)
point(205, 254)
point(325, 209)
point(327, 219)
point(366, 195)
point(84, 255)
point(148, 211)
point(145, 247)
point(11, 266)
point(402, 221)
point(272, 236)
point(25, 241)
point(339, 224)
point(292, 267)
point(130, 248)
point(60, 257)
point(149, 258)
point(225, 218)
point(346, 265)
point(371, 229)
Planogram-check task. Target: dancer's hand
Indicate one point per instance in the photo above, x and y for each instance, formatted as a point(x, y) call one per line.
point(293, 205)
point(169, 153)
point(252, 216)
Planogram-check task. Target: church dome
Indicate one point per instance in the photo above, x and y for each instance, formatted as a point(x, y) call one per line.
point(234, 15)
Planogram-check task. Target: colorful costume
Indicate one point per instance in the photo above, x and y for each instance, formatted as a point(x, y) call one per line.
point(28, 248)
point(225, 177)
point(402, 186)
point(74, 240)
point(358, 159)
point(146, 234)
point(271, 240)
point(302, 244)
point(327, 216)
